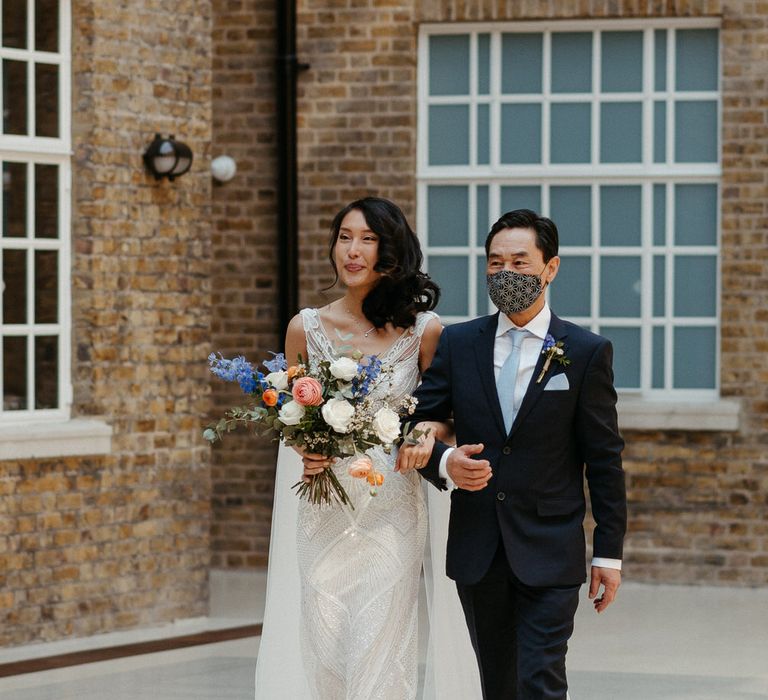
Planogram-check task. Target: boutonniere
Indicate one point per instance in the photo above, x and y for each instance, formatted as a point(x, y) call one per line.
point(553, 351)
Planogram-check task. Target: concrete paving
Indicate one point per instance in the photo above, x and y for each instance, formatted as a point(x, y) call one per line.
point(656, 642)
point(662, 642)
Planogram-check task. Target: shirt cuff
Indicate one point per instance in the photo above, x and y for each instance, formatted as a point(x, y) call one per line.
point(443, 468)
point(606, 563)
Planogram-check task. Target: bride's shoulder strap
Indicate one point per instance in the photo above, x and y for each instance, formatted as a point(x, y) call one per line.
point(310, 318)
point(318, 344)
point(422, 321)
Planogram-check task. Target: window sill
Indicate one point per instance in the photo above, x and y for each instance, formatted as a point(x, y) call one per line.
point(78, 436)
point(718, 414)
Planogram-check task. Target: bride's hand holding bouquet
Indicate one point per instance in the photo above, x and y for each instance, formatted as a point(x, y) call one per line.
point(325, 411)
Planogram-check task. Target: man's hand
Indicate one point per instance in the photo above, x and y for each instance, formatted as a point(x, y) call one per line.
point(610, 579)
point(467, 473)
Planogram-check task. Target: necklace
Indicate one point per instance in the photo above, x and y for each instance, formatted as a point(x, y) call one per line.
point(365, 334)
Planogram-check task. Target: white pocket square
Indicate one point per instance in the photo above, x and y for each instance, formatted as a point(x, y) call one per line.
point(558, 382)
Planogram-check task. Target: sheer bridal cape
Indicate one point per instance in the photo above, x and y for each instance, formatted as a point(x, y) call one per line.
point(450, 667)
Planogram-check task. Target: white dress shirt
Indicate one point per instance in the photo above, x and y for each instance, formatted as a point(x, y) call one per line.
point(530, 349)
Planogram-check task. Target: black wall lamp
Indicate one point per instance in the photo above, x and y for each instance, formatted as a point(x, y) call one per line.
point(167, 157)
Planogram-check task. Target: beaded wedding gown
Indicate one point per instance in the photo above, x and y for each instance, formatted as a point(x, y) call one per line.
point(349, 610)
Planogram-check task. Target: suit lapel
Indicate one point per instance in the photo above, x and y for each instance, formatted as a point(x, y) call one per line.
point(484, 357)
point(558, 332)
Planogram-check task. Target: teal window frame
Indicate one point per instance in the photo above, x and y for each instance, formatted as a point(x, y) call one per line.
point(492, 183)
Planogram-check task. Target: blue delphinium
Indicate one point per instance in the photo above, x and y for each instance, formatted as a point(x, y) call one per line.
point(278, 364)
point(237, 370)
point(366, 375)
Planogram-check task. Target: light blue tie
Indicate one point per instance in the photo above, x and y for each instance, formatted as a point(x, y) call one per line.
point(505, 385)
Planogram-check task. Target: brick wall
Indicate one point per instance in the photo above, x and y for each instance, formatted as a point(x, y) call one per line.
point(244, 266)
point(95, 544)
point(357, 120)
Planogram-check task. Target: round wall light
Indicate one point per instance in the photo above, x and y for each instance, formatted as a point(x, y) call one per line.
point(223, 168)
point(167, 157)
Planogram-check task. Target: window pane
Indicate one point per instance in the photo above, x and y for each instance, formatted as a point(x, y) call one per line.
point(483, 302)
point(657, 372)
point(621, 126)
point(14, 200)
point(571, 62)
point(483, 135)
point(626, 355)
point(46, 201)
point(659, 214)
point(570, 293)
point(483, 215)
point(14, 373)
point(696, 66)
point(620, 211)
point(571, 210)
point(449, 135)
point(694, 358)
point(570, 133)
point(46, 371)
point(483, 64)
point(620, 287)
point(15, 24)
point(46, 286)
point(660, 59)
point(695, 285)
point(14, 97)
point(696, 132)
point(448, 214)
point(520, 198)
point(521, 133)
point(622, 61)
point(451, 273)
point(521, 63)
point(659, 285)
point(46, 100)
point(47, 25)
point(695, 214)
point(449, 65)
point(659, 132)
point(15, 286)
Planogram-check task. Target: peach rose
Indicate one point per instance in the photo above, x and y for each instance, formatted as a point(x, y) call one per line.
point(375, 478)
point(308, 391)
point(361, 467)
point(269, 397)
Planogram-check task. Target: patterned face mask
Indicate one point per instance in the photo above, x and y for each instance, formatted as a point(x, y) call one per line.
point(512, 292)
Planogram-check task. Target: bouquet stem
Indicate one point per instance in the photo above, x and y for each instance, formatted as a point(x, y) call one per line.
point(323, 488)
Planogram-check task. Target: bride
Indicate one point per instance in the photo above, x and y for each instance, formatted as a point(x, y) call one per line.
point(341, 617)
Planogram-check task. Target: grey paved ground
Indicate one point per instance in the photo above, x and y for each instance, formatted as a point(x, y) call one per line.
point(654, 643)
point(672, 643)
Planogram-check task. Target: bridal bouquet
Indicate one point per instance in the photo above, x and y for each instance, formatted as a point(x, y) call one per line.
point(325, 409)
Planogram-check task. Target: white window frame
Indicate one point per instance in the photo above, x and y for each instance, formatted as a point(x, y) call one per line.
point(42, 433)
point(646, 173)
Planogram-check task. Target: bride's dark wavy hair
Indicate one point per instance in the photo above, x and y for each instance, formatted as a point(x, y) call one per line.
point(403, 289)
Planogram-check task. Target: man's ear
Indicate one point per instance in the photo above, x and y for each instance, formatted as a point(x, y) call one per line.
point(552, 267)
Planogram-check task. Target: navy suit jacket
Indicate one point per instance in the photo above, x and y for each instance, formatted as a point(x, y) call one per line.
point(535, 500)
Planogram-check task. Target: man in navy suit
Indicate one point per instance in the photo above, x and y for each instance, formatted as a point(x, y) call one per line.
point(534, 410)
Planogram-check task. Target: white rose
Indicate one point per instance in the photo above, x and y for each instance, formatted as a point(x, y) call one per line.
point(291, 413)
point(338, 414)
point(386, 423)
point(344, 368)
point(279, 380)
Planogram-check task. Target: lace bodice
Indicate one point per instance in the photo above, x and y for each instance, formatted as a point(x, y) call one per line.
point(402, 356)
